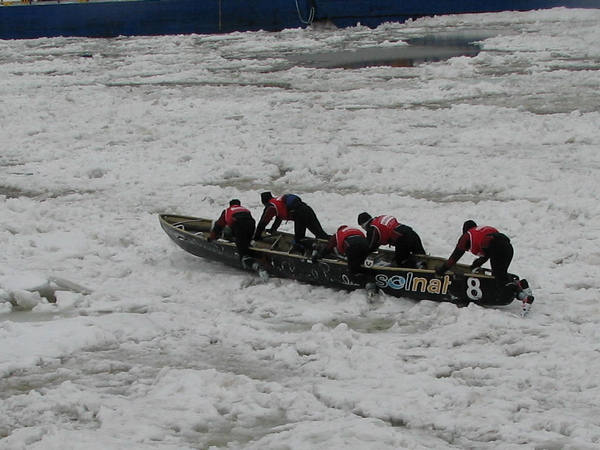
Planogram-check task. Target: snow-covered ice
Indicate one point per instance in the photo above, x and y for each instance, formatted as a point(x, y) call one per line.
point(111, 337)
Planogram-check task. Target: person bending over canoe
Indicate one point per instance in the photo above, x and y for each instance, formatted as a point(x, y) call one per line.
point(289, 207)
point(242, 225)
point(487, 243)
point(352, 243)
point(386, 230)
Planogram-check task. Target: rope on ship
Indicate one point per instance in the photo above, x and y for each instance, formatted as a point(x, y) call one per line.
point(311, 14)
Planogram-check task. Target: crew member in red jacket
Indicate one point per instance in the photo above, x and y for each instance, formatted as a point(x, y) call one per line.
point(487, 243)
point(242, 225)
point(352, 243)
point(386, 230)
point(289, 207)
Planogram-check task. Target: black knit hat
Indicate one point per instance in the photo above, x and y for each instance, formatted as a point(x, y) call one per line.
point(468, 225)
point(235, 202)
point(363, 218)
point(265, 197)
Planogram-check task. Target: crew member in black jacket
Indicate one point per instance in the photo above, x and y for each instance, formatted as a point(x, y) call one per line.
point(289, 207)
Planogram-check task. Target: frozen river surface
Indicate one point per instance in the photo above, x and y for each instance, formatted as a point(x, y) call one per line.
point(111, 337)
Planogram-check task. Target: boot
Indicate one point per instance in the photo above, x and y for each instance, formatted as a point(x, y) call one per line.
point(372, 292)
point(248, 262)
point(262, 273)
point(526, 296)
point(527, 306)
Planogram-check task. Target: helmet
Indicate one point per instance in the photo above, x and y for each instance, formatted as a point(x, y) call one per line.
point(468, 225)
point(364, 218)
point(265, 197)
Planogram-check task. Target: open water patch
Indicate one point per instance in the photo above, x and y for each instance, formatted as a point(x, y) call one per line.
point(415, 51)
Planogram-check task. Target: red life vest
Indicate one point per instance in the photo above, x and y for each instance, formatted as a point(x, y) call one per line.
point(229, 213)
point(344, 232)
point(386, 226)
point(478, 240)
point(281, 210)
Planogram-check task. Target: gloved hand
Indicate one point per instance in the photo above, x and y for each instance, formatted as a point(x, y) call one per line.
point(257, 237)
point(478, 263)
point(271, 231)
point(440, 271)
point(316, 253)
point(314, 258)
point(212, 237)
point(475, 268)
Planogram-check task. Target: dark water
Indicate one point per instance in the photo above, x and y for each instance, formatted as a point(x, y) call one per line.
point(429, 48)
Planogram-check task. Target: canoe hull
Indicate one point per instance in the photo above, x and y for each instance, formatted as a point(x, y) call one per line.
point(276, 255)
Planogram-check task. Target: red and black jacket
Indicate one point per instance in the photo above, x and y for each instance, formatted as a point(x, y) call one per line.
point(227, 218)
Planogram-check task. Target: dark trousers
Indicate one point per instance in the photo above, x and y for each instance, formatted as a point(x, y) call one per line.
point(500, 251)
point(407, 244)
point(305, 218)
point(243, 232)
point(357, 251)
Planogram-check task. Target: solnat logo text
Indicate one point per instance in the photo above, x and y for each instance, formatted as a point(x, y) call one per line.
point(414, 284)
